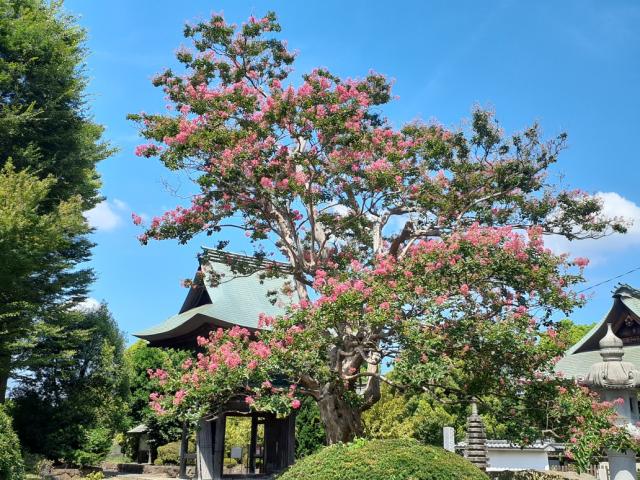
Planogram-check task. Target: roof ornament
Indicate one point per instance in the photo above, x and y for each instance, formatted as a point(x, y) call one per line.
point(612, 372)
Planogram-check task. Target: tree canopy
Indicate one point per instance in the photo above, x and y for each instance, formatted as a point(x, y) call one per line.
point(70, 409)
point(47, 133)
point(421, 247)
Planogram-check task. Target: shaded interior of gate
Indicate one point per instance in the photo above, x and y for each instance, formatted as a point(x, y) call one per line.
point(273, 455)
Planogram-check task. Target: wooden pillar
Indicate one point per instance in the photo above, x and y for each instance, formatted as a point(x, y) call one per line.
point(290, 439)
point(279, 439)
point(204, 452)
point(218, 446)
point(184, 445)
point(253, 444)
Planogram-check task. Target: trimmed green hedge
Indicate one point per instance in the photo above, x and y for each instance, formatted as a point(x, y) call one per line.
point(11, 464)
point(403, 459)
point(169, 454)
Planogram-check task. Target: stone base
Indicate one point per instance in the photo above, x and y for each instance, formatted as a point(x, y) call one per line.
point(168, 471)
point(69, 473)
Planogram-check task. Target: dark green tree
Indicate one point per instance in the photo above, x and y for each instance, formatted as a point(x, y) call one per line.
point(139, 358)
point(310, 433)
point(45, 129)
point(70, 409)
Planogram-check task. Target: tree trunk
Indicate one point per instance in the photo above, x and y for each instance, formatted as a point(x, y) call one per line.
point(342, 421)
point(5, 368)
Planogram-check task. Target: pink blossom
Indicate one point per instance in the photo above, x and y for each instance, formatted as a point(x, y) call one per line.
point(137, 219)
point(295, 404)
point(441, 299)
point(249, 400)
point(464, 289)
point(581, 262)
point(266, 183)
point(147, 150)
point(178, 398)
point(260, 349)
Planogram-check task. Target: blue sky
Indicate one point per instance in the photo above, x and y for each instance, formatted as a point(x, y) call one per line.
point(572, 66)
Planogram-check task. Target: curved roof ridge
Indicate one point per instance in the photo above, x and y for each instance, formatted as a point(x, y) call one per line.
point(244, 290)
point(232, 258)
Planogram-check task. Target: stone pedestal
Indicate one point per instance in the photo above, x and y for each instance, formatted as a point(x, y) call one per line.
point(622, 465)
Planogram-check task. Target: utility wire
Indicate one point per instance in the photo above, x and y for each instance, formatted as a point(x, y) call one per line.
point(609, 280)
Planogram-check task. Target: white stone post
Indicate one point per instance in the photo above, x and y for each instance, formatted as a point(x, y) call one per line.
point(449, 437)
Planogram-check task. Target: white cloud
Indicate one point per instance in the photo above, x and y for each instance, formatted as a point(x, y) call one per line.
point(104, 216)
point(614, 205)
point(120, 205)
point(87, 305)
point(341, 210)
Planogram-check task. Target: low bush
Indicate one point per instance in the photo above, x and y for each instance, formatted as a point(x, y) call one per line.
point(94, 476)
point(95, 447)
point(11, 464)
point(169, 454)
point(231, 462)
point(404, 459)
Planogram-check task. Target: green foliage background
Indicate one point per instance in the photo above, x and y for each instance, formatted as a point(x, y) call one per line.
point(11, 465)
point(70, 411)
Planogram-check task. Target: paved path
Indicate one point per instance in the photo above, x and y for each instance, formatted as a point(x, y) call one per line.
point(143, 476)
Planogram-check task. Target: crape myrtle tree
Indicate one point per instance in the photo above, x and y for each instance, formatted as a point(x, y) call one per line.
point(420, 246)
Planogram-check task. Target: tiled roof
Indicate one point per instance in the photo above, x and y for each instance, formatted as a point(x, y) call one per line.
point(237, 299)
point(507, 445)
point(579, 358)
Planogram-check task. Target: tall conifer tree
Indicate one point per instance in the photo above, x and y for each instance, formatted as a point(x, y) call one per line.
point(45, 130)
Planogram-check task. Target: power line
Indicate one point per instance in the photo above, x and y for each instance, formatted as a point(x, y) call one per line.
point(609, 280)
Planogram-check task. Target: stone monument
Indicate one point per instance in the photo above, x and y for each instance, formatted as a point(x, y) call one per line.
point(476, 451)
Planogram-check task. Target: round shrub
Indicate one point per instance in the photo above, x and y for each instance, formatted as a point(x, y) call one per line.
point(168, 454)
point(11, 465)
point(404, 459)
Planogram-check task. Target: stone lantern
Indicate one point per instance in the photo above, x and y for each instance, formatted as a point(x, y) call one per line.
point(612, 378)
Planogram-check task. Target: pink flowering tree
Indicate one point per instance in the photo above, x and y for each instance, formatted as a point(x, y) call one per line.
point(420, 248)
